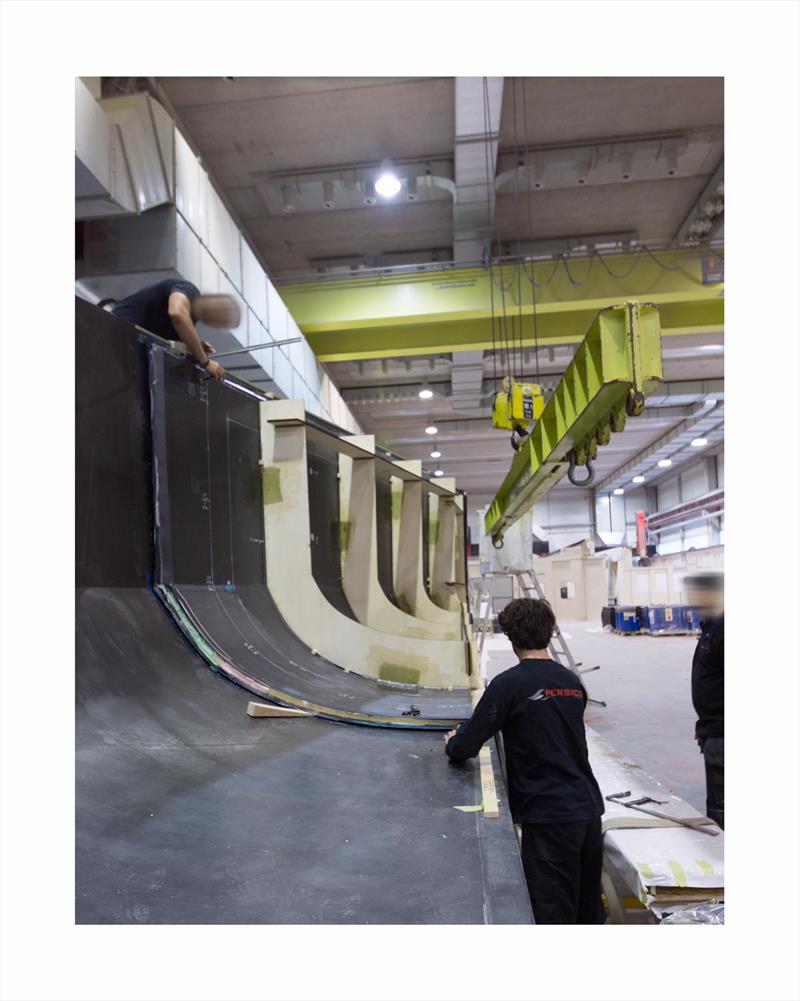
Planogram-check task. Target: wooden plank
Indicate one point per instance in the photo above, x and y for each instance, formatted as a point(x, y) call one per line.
point(260, 709)
point(491, 805)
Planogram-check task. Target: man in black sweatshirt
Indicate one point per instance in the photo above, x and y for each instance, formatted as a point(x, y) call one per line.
point(553, 794)
point(706, 594)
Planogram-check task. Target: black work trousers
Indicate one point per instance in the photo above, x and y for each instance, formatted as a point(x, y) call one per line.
point(713, 749)
point(563, 866)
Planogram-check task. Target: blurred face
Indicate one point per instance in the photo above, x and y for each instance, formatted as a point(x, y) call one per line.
point(708, 601)
point(216, 311)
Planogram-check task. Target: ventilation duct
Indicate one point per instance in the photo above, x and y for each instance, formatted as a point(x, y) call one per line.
point(124, 155)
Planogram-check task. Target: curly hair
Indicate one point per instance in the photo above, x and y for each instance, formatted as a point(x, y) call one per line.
point(528, 623)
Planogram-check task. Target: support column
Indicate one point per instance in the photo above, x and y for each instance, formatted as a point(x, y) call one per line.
point(409, 583)
point(360, 580)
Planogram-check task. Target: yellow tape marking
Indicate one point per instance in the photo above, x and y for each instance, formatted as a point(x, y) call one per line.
point(705, 866)
point(677, 872)
point(645, 869)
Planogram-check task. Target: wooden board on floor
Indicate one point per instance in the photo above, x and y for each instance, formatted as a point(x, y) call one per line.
point(260, 709)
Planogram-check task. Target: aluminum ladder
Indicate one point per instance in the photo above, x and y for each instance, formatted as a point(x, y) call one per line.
point(529, 586)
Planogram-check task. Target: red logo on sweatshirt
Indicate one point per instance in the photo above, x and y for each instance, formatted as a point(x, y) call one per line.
point(555, 693)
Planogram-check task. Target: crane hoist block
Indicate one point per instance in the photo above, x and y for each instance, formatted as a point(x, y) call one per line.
point(615, 367)
point(517, 405)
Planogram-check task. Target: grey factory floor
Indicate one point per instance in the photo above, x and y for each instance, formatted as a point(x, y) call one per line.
point(645, 681)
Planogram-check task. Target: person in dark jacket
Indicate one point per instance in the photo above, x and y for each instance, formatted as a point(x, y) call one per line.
point(706, 594)
point(173, 306)
point(538, 705)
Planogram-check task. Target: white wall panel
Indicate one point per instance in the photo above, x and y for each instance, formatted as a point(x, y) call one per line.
point(282, 374)
point(325, 393)
point(256, 334)
point(191, 194)
point(696, 537)
point(254, 284)
point(263, 357)
point(694, 481)
point(668, 493)
point(311, 369)
point(209, 273)
point(296, 354)
point(240, 331)
point(187, 262)
point(669, 542)
point(278, 314)
point(223, 238)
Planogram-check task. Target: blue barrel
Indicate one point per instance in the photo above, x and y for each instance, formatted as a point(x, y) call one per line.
point(627, 620)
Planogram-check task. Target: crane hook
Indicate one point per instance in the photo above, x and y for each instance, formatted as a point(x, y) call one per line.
point(571, 472)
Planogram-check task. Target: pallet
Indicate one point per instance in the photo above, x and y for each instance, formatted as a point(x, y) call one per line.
point(645, 632)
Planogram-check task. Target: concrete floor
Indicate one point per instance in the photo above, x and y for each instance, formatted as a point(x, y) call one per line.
point(645, 681)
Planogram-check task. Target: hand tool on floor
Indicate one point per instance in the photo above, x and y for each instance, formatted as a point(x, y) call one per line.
point(693, 823)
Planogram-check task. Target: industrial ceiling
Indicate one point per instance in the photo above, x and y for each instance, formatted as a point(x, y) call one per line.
point(576, 164)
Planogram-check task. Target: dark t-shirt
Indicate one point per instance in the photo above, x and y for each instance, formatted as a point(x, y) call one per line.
point(708, 679)
point(539, 707)
point(149, 306)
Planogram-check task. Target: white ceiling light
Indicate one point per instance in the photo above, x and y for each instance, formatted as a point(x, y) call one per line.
point(699, 442)
point(709, 403)
point(436, 454)
point(638, 479)
point(328, 199)
point(619, 491)
point(438, 472)
point(388, 184)
point(431, 429)
point(425, 393)
point(664, 463)
point(711, 347)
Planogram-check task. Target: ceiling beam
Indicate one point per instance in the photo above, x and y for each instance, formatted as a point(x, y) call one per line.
point(450, 310)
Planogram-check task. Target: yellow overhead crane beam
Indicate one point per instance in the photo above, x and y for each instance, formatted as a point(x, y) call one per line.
point(451, 309)
point(617, 365)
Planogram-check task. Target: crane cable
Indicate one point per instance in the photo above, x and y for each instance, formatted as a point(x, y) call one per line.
point(489, 182)
point(530, 234)
point(518, 268)
point(488, 195)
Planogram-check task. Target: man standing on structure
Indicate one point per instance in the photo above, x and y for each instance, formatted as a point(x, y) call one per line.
point(705, 592)
point(173, 306)
point(553, 794)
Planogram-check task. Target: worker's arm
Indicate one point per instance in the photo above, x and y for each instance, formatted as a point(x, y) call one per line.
point(180, 314)
point(487, 718)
